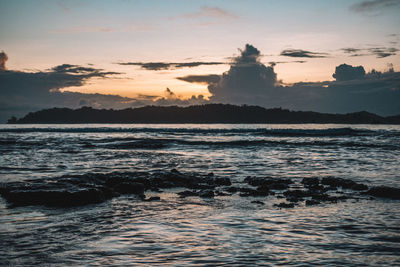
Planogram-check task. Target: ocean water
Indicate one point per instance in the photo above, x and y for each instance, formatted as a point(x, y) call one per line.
point(224, 230)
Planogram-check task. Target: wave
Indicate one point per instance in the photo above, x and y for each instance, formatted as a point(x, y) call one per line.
point(317, 132)
point(154, 143)
point(262, 131)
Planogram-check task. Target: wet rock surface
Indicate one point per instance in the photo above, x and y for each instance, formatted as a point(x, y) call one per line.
point(77, 190)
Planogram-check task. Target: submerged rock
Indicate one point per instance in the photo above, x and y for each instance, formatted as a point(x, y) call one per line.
point(129, 188)
point(338, 182)
point(310, 182)
point(155, 198)
point(76, 190)
point(188, 193)
point(55, 198)
point(385, 192)
point(284, 205)
point(206, 193)
point(312, 202)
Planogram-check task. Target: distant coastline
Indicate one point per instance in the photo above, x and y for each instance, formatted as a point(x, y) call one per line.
point(210, 113)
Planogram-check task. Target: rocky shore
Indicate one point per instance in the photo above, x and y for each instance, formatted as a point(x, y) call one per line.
point(77, 190)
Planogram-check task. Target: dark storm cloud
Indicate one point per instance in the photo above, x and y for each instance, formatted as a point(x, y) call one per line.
point(168, 65)
point(203, 79)
point(373, 6)
point(3, 59)
point(246, 76)
point(346, 72)
point(23, 92)
point(248, 81)
point(302, 53)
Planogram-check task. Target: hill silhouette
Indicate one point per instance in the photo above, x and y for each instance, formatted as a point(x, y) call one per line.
point(210, 113)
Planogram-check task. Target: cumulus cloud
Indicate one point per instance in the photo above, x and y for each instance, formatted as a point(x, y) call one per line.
point(346, 72)
point(168, 65)
point(247, 76)
point(302, 53)
point(248, 81)
point(373, 6)
point(3, 59)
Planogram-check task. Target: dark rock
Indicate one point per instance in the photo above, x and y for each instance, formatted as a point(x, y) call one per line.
point(310, 181)
point(384, 192)
point(271, 183)
point(247, 192)
point(222, 181)
point(322, 197)
point(178, 179)
point(263, 189)
point(297, 193)
point(284, 205)
point(278, 186)
point(232, 189)
point(188, 193)
point(359, 187)
point(55, 198)
point(293, 199)
point(336, 182)
point(257, 202)
point(129, 188)
point(312, 202)
point(316, 188)
point(206, 193)
point(220, 193)
point(156, 198)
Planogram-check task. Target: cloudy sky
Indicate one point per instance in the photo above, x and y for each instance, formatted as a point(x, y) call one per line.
point(270, 53)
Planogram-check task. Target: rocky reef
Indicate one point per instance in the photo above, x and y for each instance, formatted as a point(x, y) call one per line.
point(77, 190)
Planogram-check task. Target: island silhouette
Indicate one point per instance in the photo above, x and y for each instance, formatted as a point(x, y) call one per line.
point(209, 113)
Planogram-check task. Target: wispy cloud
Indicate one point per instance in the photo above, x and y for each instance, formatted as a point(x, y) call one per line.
point(211, 12)
point(302, 53)
point(273, 63)
point(208, 15)
point(382, 52)
point(106, 29)
point(168, 65)
point(374, 6)
point(202, 79)
point(379, 52)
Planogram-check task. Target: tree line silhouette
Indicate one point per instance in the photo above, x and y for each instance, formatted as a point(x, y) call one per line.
point(209, 113)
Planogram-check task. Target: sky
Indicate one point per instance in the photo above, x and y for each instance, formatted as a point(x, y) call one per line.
point(135, 50)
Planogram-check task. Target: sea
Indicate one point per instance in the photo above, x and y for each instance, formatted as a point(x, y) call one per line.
point(223, 230)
